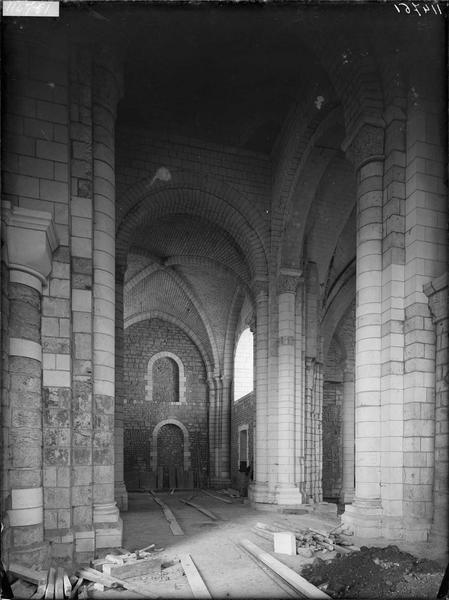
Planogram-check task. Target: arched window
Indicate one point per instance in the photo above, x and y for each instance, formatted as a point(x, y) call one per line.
point(166, 382)
point(243, 365)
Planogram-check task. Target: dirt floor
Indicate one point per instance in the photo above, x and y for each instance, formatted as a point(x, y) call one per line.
point(229, 572)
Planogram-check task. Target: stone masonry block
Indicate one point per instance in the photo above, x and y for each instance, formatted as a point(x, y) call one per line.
point(285, 543)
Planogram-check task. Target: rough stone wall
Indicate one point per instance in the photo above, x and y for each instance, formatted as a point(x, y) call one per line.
point(165, 381)
point(332, 423)
point(243, 412)
point(142, 341)
point(332, 438)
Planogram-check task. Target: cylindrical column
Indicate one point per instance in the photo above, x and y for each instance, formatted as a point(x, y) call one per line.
point(347, 492)
point(258, 490)
point(366, 152)
point(106, 515)
point(25, 430)
point(286, 490)
point(30, 241)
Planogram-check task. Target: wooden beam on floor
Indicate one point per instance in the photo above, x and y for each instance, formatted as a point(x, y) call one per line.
point(108, 581)
point(50, 590)
point(197, 585)
point(135, 568)
point(300, 584)
point(217, 497)
point(31, 575)
point(201, 509)
point(175, 527)
point(59, 584)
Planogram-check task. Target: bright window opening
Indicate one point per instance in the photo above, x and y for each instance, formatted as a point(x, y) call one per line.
point(243, 365)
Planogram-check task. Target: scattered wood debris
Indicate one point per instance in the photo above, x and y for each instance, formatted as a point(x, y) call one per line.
point(308, 540)
point(53, 584)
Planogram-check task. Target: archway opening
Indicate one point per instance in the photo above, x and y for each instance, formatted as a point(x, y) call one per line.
point(244, 365)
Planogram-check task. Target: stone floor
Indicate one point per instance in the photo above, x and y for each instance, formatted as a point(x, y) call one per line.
point(228, 571)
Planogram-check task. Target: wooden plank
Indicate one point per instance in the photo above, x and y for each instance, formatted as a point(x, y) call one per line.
point(174, 525)
point(136, 568)
point(197, 585)
point(217, 497)
point(31, 575)
point(50, 590)
point(74, 592)
point(201, 509)
point(108, 581)
point(40, 592)
point(67, 585)
point(293, 579)
point(147, 548)
point(59, 584)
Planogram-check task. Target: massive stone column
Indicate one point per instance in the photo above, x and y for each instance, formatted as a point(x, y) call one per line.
point(258, 491)
point(31, 240)
point(287, 491)
point(107, 524)
point(347, 492)
point(365, 149)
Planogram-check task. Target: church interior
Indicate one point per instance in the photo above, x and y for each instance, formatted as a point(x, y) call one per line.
point(224, 266)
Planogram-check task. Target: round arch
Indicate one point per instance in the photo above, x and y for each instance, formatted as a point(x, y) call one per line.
point(153, 451)
point(157, 314)
point(181, 376)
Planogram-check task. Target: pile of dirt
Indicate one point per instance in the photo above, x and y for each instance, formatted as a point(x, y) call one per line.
point(376, 573)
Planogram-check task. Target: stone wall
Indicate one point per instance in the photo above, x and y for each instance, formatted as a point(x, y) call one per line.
point(243, 412)
point(144, 340)
point(332, 439)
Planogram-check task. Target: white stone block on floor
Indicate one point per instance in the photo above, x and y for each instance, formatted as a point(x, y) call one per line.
point(285, 543)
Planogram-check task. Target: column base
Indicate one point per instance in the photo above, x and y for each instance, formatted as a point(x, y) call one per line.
point(288, 495)
point(121, 496)
point(347, 496)
point(364, 518)
point(109, 535)
point(258, 492)
point(108, 526)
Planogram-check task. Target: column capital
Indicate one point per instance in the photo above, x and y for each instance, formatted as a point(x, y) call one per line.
point(288, 280)
point(365, 143)
point(30, 242)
